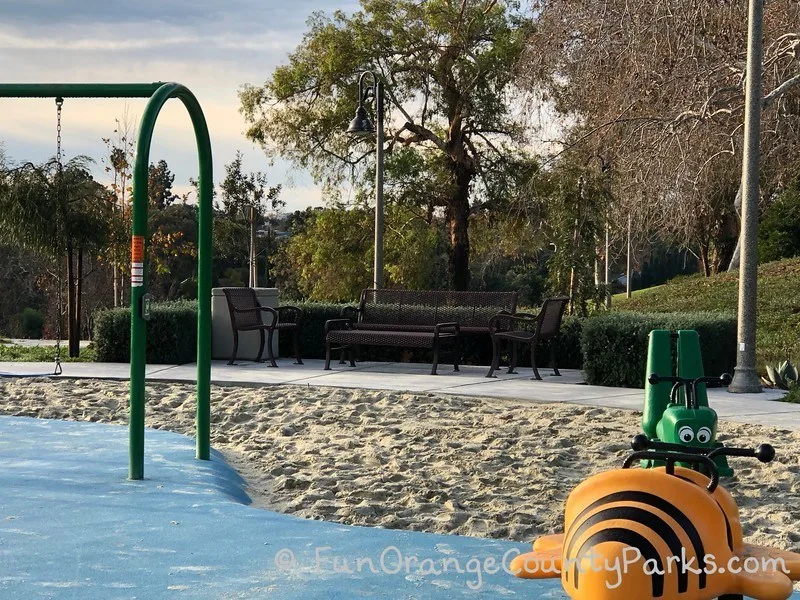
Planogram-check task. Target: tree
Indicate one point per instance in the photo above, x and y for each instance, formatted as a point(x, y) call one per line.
point(328, 255)
point(159, 185)
point(59, 212)
point(575, 201)
point(779, 233)
point(247, 197)
point(657, 90)
point(449, 69)
point(121, 147)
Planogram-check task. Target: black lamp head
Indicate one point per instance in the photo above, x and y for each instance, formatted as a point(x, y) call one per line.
point(361, 126)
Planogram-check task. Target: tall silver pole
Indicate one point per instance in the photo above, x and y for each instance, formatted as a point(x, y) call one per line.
point(378, 266)
point(745, 378)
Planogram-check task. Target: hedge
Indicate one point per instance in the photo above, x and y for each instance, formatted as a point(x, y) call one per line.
point(171, 333)
point(477, 349)
point(614, 345)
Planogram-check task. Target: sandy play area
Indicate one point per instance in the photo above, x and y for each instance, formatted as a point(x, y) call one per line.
point(468, 466)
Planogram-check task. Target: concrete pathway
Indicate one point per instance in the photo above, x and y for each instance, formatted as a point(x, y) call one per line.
point(72, 526)
point(413, 377)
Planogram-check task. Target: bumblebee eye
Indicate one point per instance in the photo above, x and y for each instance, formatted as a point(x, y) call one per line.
point(704, 435)
point(685, 434)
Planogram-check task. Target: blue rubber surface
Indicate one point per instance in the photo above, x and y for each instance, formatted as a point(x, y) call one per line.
point(73, 526)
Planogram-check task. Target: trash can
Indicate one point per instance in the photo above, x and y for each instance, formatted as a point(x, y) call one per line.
point(222, 331)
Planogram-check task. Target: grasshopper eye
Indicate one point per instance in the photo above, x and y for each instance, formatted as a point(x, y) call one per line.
point(685, 434)
point(704, 435)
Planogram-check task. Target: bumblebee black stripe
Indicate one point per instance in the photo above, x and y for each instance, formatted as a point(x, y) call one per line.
point(632, 539)
point(643, 517)
point(644, 498)
point(728, 530)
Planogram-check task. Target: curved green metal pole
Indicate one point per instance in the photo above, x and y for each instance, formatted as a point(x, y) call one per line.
point(138, 330)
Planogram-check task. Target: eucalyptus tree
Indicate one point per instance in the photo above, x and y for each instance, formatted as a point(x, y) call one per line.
point(449, 69)
point(656, 89)
point(247, 198)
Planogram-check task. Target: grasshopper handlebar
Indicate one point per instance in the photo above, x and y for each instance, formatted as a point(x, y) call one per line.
point(689, 384)
point(644, 448)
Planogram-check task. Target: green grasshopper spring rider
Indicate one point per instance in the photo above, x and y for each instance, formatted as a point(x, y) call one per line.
point(676, 407)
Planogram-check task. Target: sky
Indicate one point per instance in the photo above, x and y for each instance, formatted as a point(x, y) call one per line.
point(209, 46)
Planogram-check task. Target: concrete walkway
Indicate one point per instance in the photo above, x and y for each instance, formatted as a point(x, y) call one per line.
point(413, 377)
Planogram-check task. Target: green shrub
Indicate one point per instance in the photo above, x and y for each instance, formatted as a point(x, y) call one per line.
point(793, 396)
point(171, 333)
point(32, 323)
point(778, 304)
point(476, 349)
point(615, 345)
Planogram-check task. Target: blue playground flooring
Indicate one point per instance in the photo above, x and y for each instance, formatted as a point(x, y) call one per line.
point(73, 526)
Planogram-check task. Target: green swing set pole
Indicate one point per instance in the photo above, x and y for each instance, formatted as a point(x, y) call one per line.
point(138, 330)
point(158, 93)
point(79, 90)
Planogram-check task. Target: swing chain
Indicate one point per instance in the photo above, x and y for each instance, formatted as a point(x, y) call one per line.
point(59, 104)
point(60, 183)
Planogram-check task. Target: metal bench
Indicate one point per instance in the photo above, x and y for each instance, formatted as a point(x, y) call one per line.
point(246, 315)
point(415, 319)
point(527, 329)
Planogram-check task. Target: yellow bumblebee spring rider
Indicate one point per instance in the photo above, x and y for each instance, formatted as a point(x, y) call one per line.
point(668, 533)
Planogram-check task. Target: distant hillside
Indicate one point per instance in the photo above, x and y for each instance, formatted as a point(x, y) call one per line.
point(778, 304)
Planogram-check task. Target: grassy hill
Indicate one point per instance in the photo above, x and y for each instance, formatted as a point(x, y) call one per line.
point(778, 335)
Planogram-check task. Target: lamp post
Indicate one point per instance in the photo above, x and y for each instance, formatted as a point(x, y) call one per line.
point(361, 126)
point(745, 378)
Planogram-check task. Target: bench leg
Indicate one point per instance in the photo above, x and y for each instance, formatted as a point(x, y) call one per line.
point(260, 348)
point(351, 355)
point(553, 357)
point(457, 357)
point(495, 358)
point(327, 356)
point(435, 357)
point(512, 364)
point(272, 362)
point(232, 361)
point(296, 345)
point(536, 375)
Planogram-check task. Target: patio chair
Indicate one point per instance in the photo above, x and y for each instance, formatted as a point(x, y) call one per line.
point(521, 328)
point(246, 315)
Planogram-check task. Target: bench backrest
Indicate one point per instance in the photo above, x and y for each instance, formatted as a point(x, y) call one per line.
point(429, 307)
point(550, 316)
point(242, 298)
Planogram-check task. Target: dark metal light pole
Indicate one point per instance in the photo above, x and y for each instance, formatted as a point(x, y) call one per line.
point(361, 126)
point(745, 378)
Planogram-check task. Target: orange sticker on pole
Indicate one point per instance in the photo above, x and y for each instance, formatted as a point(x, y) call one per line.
point(137, 249)
point(137, 261)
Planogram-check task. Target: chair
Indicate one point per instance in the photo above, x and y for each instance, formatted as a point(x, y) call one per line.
point(246, 315)
point(521, 328)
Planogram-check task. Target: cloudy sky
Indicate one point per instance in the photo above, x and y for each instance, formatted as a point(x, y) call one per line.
point(212, 47)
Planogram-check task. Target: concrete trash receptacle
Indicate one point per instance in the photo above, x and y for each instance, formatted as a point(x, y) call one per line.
point(222, 331)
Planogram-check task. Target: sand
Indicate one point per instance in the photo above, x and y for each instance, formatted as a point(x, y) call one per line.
point(445, 464)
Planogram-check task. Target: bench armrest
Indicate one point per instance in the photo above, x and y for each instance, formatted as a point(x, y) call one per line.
point(333, 324)
point(349, 309)
point(439, 326)
point(289, 314)
point(271, 311)
point(505, 321)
